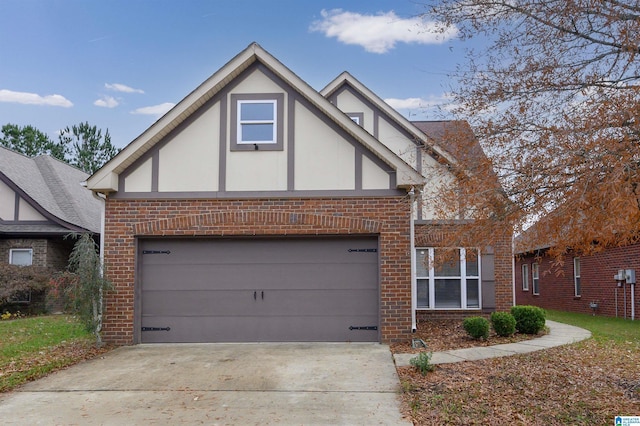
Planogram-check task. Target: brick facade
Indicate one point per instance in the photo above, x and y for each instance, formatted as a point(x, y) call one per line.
point(597, 284)
point(127, 220)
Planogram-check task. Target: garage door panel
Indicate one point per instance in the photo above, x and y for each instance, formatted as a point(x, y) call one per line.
point(279, 276)
point(191, 329)
point(222, 302)
point(306, 289)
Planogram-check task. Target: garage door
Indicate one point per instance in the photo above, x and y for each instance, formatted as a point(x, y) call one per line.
point(259, 290)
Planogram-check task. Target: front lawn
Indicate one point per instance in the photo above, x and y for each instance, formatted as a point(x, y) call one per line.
point(32, 347)
point(587, 383)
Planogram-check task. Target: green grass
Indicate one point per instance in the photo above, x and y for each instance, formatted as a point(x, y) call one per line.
point(32, 347)
point(602, 328)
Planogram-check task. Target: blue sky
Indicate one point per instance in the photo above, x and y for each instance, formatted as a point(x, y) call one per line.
point(120, 64)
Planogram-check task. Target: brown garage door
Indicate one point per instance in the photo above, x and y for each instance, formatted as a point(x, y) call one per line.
point(259, 290)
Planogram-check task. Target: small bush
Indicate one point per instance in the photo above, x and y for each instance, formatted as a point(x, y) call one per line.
point(422, 362)
point(503, 323)
point(529, 319)
point(476, 327)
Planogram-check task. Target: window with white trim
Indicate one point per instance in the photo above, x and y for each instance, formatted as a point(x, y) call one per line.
point(21, 257)
point(525, 277)
point(576, 277)
point(535, 278)
point(257, 122)
point(448, 278)
point(357, 117)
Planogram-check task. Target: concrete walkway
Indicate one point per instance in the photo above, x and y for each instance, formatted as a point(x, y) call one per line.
point(559, 334)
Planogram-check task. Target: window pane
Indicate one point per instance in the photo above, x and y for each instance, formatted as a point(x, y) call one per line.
point(422, 263)
point(472, 262)
point(447, 262)
point(257, 132)
point(578, 289)
point(256, 111)
point(447, 293)
point(576, 266)
point(423, 293)
point(473, 294)
point(21, 257)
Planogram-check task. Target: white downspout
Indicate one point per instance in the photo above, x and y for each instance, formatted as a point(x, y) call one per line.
point(633, 302)
point(103, 199)
point(414, 302)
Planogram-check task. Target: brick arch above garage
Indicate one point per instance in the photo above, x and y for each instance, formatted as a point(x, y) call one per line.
point(255, 221)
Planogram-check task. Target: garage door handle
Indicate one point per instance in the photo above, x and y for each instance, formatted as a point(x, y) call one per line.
point(262, 295)
point(255, 295)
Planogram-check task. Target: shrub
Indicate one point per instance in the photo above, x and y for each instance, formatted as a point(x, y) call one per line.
point(503, 323)
point(529, 319)
point(422, 362)
point(476, 327)
point(20, 283)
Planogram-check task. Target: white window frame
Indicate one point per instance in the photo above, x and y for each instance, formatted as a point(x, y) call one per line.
point(14, 250)
point(273, 121)
point(577, 288)
point(463, 279)
point(525, 277)
point(535, 278)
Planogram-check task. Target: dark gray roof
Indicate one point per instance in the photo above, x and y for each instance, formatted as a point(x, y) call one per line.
point(55, 187)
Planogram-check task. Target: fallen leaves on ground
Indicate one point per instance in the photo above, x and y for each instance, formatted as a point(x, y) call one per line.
point(44, 362)
point(444, 335)
point(586, 383)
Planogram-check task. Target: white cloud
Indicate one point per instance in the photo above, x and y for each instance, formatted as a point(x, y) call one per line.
point(117, 87)
point(34, 99)
point(154, 109)
point(380, 33)
point(443, 101)
point(107, 102)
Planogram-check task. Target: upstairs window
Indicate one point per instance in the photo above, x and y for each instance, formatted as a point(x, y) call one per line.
point(257, 122)
point(357, 117)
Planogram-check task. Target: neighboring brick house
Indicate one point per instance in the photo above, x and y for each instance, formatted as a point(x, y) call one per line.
point(41, 201)
point(259, 209)
point(578, 283)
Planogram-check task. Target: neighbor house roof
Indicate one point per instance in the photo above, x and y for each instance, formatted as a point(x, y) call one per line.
point(54, 189)
point(106, 179)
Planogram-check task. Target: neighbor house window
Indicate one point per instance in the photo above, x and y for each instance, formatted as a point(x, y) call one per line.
point(576, 276)
point(535, 277)
point(448, 278)
point(525, 277)
point(257, 122)
point(21, 257)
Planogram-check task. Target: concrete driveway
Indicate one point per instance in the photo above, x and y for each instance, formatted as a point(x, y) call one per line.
point(263, 383)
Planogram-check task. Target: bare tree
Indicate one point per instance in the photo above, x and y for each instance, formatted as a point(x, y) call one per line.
point(554, 100)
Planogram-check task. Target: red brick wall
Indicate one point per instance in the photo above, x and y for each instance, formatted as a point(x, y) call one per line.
point(386, 217)
point(597, 283)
